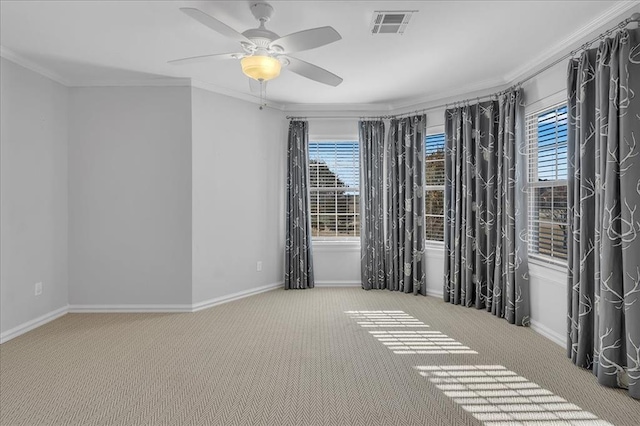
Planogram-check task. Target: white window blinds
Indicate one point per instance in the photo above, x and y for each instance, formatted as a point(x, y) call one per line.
point(547, 153)
point(434, 187)
point(334, 171)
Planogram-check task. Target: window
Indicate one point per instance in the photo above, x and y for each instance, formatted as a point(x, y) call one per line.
point(334, 171)
point(434, 187)
point(547, 141)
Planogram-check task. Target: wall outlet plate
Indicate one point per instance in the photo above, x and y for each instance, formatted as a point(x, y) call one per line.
point(259, 266)
point(38, 289)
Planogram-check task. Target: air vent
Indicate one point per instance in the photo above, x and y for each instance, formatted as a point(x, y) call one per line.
point(390, 21)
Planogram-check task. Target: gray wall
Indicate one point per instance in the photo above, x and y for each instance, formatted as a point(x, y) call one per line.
point(130, 196)
point(239, 155)
point(33, 203)
point(336, 264)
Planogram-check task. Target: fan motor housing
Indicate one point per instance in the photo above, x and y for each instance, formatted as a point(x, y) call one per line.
point(260, 36)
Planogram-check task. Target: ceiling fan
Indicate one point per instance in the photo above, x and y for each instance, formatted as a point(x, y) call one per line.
point(265, 52)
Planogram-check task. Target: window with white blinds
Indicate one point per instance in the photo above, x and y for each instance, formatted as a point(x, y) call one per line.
point(547, 142)
point(434, 187)
point(334, 171)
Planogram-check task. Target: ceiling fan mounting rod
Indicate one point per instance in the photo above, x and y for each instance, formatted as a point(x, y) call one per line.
point(262, 12)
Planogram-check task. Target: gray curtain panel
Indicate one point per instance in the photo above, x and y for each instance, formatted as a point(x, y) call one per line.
point(372, 237)
point(604, 211)
point(298, 255)
point(486, 262)
point(405, 205)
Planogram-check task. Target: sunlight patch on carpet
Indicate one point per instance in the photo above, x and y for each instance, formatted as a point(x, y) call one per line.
point(421, 342)
point(499, 397)
point(392, 319)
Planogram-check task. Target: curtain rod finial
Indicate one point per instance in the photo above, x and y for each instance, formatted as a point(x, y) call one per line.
point(635, 17)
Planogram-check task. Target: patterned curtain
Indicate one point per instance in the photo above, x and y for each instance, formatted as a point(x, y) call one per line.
point(298, 257)
point(486, 207)
point(604, 211)
point(405, 202)
point(372, 239)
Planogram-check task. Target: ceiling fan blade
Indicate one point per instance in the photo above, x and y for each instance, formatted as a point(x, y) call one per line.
point(254, 85)
point(215, 24)
point(313, 72)
point(307, 39)
point(193, 59)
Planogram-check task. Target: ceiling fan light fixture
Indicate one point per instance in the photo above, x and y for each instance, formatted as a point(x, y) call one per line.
point(264, 52)
point(261, 68)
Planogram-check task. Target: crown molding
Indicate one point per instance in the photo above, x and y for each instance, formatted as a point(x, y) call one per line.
point(430, 101)
point(339, 108)
point(153, 82)
point(32, 66)
point(575, 39)
point(210, 87)
point(176, 82)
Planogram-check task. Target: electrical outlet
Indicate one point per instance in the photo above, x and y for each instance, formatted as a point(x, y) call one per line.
point(38, 289)
point(259, 266)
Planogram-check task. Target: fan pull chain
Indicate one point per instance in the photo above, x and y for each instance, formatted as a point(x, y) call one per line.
point(263, 94)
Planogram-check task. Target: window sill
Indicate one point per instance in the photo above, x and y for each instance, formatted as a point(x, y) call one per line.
point(434, 245)
point(329, 240)
point(548, 263)
point(344, 245)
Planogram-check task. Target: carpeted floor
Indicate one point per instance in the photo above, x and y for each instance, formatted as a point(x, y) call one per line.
point(300, 358)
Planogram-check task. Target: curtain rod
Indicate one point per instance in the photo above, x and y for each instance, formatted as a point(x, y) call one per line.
point(633, 18)
point(333, 117)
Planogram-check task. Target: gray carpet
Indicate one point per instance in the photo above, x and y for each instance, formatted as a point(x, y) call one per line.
point(298, 358)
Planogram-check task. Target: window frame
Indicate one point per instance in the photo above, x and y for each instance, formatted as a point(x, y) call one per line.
point(531, 119)
point(331, 240)
point(434, 130)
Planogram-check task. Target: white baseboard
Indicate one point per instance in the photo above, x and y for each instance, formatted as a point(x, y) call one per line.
point(34, 323)
point(127, 308)
point(549, 334)
point(434, 293)
point(359, 284)
point(235, 296)
point(338, 284)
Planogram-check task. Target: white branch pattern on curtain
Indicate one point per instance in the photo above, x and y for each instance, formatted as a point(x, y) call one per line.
point(405, 202)
point(486, 262)
point(603, 323)
point(372, 239)
point(298, 256)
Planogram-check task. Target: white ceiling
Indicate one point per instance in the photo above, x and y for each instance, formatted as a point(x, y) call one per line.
point(449, 48)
